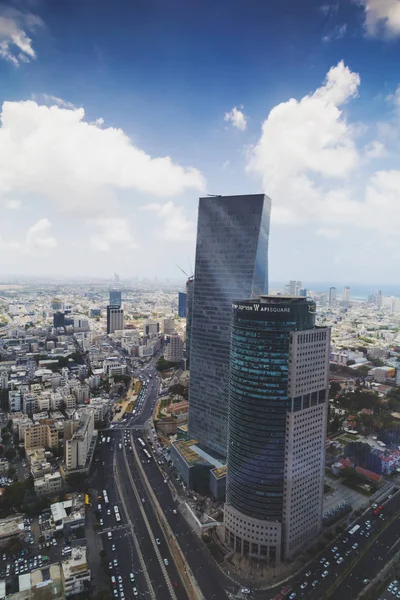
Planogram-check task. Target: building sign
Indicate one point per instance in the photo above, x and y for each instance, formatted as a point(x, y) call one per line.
point(261, 308)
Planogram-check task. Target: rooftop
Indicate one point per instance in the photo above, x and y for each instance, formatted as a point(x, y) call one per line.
point(11, 526)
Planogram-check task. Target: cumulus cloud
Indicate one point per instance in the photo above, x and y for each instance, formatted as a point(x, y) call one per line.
point(381, 17)
point(109, 233)
point(237, 118)
point(39, 236)
point(176, 227)
point(12, 204)
point(304, 142)
point(15, 43)
point(375, 149)
point(54, 154)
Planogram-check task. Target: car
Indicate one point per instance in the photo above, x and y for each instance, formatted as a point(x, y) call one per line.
point(367, 534)
point(113, 547)
point(119, 579)
point(326, 565)
point(340, 560)
point(374, 505)
point(335, 549)
point(115, 562)
point(131, 577)
point(292, 596)
point(157, 541)
point(101, 522)
point(355, 546)
point(365, 581)
point(175, 511)
point(324, 574)
point(135, 592)
point(304, 585)
point(115, 592)
point(345, 540)
point(322, 561)
point(109, 512)
point(143, 500)
point(166, 563)
point(110, 566)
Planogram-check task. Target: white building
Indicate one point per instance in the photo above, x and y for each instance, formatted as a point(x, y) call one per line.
point(332, 297)
point(14, 400)
point(78, 436)
point(346, 294)
point(76, 572)
point(49, 484)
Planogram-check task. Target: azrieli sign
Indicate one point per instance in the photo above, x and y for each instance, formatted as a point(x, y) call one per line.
point(261, 308)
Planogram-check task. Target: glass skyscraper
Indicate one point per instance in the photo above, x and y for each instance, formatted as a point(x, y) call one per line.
point(231, 262)
point(277, 421)
point(189, 312)
point(181, 304)
point(115, 298)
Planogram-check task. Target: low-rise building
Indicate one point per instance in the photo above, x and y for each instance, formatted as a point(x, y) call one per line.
point(10, 529)
point(51, 483)
point(76, 572)
point(69, 514)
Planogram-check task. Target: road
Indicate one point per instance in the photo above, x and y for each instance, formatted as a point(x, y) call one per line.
point(361, 556)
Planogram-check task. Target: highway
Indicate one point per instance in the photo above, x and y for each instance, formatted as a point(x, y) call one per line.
point(356, 557)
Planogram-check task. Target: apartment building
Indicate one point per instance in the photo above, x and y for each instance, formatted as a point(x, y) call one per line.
point(78, 436)
point(41, 435)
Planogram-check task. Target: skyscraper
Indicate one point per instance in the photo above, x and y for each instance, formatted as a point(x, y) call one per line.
point(277, 421)
point(379, 299)
point(115, 298)
point(346, 294)
point(332, 296)
point(181, 304)
point(115, 319)
point(231, 262)
point(189, 312)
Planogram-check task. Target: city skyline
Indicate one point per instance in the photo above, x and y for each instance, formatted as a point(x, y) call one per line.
point(134, 109)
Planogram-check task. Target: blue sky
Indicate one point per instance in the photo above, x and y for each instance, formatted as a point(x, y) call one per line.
point(299, 100)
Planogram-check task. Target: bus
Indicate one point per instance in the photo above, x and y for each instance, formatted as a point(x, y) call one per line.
point(377, 511)
point(117, 515)
point(147, 453)
point(353, 530)
point(105, 495)
point(141, 442)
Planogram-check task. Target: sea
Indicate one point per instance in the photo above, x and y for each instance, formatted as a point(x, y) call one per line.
point(358, 291)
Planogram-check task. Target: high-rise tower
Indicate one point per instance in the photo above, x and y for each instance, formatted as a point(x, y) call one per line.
point(115, 319)
point(231, 262)
point(277, 421)
point(332, 296)
point(115, 298)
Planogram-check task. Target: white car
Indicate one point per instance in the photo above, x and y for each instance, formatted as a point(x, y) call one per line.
point(131, 577)
point(324, 574)
point(166, 563)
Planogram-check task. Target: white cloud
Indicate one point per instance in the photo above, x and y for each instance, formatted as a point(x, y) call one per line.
point(336, 34)
point(176, 227)
point(304, 144)
point(109, 233)
point(52, 153)
point(51, 100)
point(237, 118)
point(39, 237)
point(12, 204)
point(375, 149)
point(381, 17)
point(328, 233)
point(15, 43)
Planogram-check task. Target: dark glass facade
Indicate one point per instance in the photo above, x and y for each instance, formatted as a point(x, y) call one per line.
point(259, 402)
point(59, 319)
point(231, 262)
point(181, 304)
point(189, 313)
point(115, 298)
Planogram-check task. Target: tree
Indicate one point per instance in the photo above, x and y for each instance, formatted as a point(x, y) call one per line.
point(334, 388)
point(10, 453)
point(164, 365)
point(21, 452)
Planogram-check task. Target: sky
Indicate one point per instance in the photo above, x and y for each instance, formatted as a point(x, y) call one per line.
point(116, 117)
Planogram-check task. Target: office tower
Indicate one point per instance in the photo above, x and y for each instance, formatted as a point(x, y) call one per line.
point(181, 304)
point(189, 313)
point(303, 292)
point(56, 304)
point(174, 348)
point(231, 262)
point(59, 319)
point(115, 298)
point(332, 296)
point(379, 298)
point(277, 421)
point(292, 288)
point(115, 319)
point(346, 294)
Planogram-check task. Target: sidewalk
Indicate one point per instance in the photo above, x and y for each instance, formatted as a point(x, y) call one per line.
point(93, 548)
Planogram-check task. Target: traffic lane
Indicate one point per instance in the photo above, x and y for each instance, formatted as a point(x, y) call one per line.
point(151, 560)
point(391, 506)
point(211, 581)
point(372, 562)
point(128, 561)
